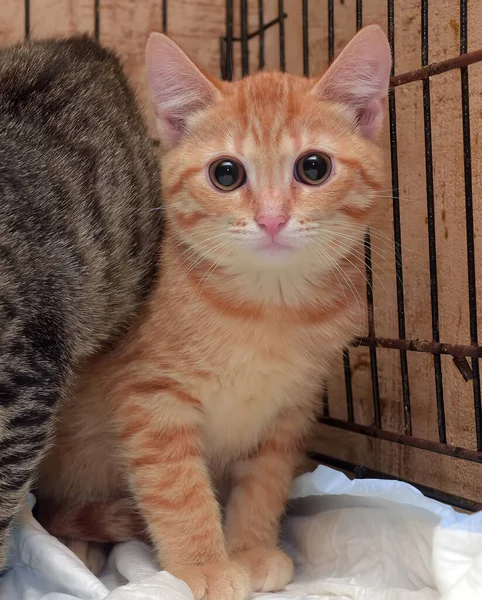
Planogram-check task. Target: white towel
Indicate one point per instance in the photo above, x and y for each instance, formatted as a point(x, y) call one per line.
point(351, 540)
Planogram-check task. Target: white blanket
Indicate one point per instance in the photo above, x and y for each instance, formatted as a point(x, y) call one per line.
point(352, 540)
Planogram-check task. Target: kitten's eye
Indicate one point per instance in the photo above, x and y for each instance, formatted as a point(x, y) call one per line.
point(227, 174)
point(313, 168)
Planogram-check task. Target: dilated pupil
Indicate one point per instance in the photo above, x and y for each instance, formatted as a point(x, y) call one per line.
point(226, 173)
point(315, 167)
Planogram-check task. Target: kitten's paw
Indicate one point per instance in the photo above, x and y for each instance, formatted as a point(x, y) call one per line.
point(270, 568)
point(220, 581)
point(92, 554)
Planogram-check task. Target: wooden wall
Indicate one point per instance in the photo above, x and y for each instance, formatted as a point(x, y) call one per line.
point(198, 25)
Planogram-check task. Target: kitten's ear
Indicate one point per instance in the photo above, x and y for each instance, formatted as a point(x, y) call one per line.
point(359, 78)
point(178, 88)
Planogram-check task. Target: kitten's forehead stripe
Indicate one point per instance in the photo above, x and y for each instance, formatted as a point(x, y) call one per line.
point(266, 132)
point(267, 108)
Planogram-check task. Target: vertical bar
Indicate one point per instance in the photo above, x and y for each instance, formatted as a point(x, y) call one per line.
point(244, 38)
point(331, 31)
point(377, 411)
point(348, 387)
point(469, 219)
point(306, 50)
point(282, 53)
point(331, 52)
point(397, 233)
point(222, 57)
point(346, 355)
point(229, 40)
point(359, 14)
point(97, 19)
point(261, 34)
point(164, 16)
point(325, 405)
point(432, 245)
point(27, 19)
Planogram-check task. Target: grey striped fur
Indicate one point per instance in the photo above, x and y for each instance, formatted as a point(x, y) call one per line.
point(79, 233)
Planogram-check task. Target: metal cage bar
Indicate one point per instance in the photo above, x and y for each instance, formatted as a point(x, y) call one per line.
point(228, 63)
point(244, 38)
point(164, 16)
point(27, 19)
point(306, 47)
point(350, 414)
point(331, 31)
point(432, 247)
point(377, 412)
point(407, 411)
point(359, 14)
point(261, 34)
point(282, 49)
point(406, 440)
point(469, 221)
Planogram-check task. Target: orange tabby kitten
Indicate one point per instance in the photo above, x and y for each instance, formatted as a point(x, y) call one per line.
point(268, 184)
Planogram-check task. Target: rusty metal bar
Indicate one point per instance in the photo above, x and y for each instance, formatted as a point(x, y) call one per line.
point(464, 368)
point(421, 346)
point(405, 440)
point(458, 62)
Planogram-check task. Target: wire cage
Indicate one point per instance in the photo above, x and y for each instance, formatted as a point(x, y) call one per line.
point(465, 356)
point(240, 34)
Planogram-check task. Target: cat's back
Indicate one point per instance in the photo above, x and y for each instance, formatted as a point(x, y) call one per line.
point(58, 92)
point(79, 181)
point(64, 82)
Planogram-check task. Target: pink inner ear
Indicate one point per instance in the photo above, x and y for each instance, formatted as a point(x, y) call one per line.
point(359, 78)
point(178, 88)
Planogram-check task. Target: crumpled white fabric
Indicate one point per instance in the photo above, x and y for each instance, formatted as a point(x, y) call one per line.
point(351, 540)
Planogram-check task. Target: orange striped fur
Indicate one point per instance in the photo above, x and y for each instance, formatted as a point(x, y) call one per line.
point(214, 391)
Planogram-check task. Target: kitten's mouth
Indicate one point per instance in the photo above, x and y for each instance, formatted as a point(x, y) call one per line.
point(274, 247)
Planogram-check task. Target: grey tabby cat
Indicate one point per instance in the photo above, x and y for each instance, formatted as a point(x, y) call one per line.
point(79, 183)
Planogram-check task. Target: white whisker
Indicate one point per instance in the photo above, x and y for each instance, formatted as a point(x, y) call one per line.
point(347, 279)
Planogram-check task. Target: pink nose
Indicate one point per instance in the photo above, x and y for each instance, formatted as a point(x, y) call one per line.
point(271, 225)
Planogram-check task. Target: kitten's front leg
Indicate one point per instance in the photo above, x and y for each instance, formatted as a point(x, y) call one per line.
point(257, 501)
point(172, 485)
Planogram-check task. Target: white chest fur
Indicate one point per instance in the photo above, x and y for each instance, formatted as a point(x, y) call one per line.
point(258, 378)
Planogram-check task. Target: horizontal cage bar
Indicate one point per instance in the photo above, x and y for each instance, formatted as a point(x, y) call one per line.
point(404, 440)
point(262, 28)
point(437, 68)
point(459, 350)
